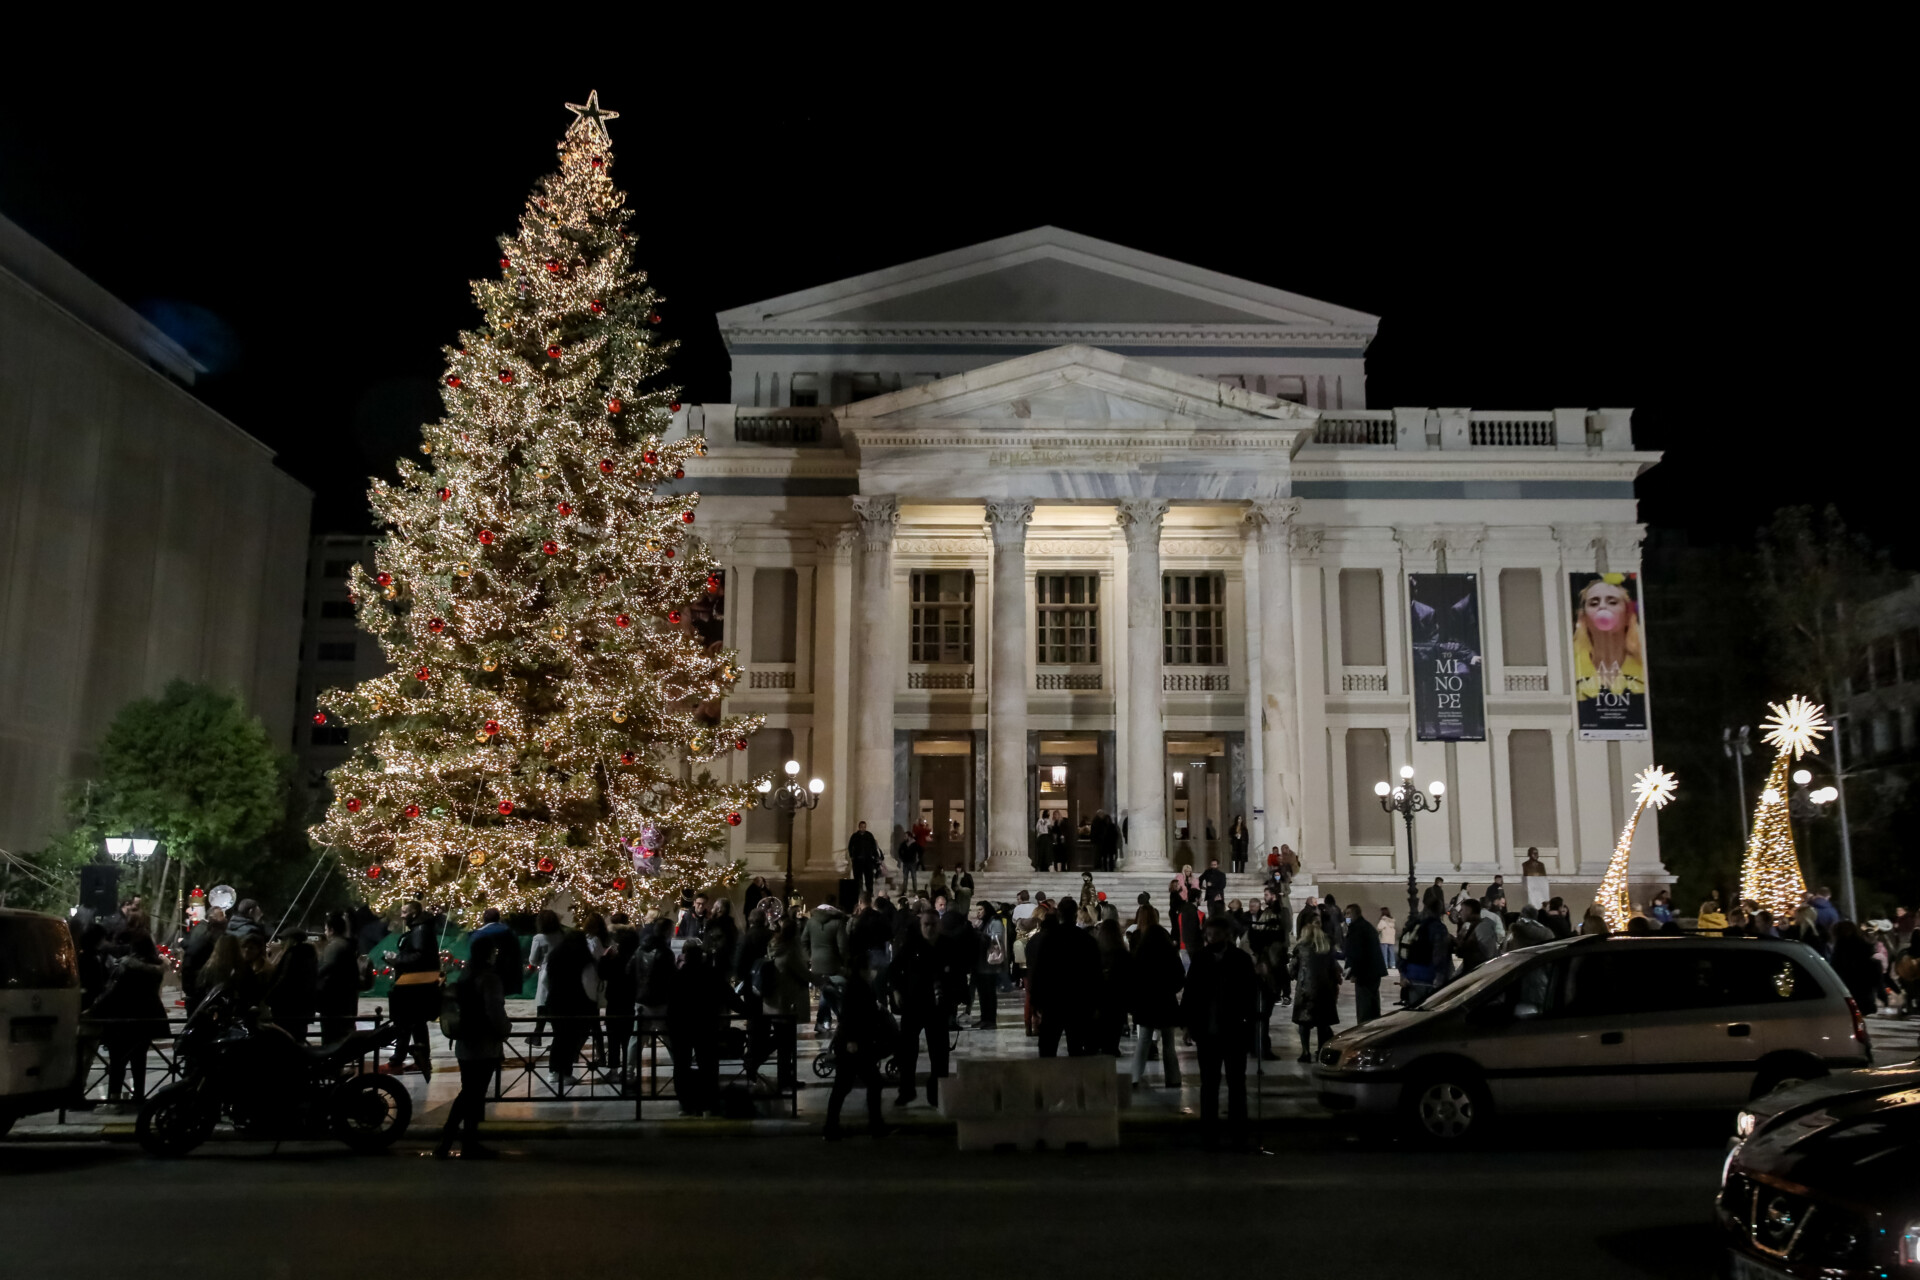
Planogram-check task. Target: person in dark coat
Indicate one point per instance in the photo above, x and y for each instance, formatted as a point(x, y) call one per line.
point(915, 975)
point(1853, 961)
point(575, 1014)
point(756, 891)
point(336, 982)
point(697, 1004)
point(861, 1038)
point(507, 962)
point(130, 1013)
point(1183, 911)
point(616, 984)
point(1060, 834)
point(1157, 977)
point(863, 852)
point(479, 1050)
point(1268, 940)
point(1063, 975)
point(1106, 842)
point(956, 953)
point(1365, 965)
point(1316, 987)
point(1214, 882)
point(1222, 1000)
point(1238, 837)
point(296, 979)
point(1115, 994)
point(195, 954)
point(416, 1003)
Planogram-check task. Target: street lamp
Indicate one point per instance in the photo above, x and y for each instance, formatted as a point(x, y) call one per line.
point(1407, 800)
point(790, 797)
point(1806, 804)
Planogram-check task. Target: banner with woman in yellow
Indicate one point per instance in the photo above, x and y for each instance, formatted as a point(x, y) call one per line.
point(1609, 657)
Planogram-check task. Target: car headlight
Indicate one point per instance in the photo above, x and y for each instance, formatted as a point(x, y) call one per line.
point(1367, 1059)
point(1744, 1124)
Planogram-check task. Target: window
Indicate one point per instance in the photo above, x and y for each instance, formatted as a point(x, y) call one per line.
point(337, 568)
point(336, 650)
point(941, 629)
point(1530, 782)
point(336, 608)
point(1286, 388)
point(1193, 620)
point(1909, 646)
point(1523, 624)
point(1069, 617)
point(1363, 637)
point(803, 390)
point(1884, 672)
point(1367, 763)
point(776, 614)
point(329, 735)
point(865, 386)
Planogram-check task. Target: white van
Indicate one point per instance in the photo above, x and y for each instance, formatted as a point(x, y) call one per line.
point(40, 1015)
point(1596, 1024)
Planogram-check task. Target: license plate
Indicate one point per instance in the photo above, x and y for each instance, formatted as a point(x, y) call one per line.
point(31, 1030)
point(1741, 1267)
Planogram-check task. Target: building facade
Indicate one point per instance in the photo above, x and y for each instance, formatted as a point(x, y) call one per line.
point(334, 653)
point(146, 538)
point(1048, 525)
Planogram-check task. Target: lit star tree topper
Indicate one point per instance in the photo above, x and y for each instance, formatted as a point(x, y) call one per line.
point(557, 684)
point(1770, 875)
point(1651, 786)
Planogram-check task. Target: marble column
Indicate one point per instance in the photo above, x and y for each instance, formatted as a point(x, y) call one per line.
point(832, 822)
point(1144, 795)
point(874, 628)
point(1279, 711)
point(1007, 837)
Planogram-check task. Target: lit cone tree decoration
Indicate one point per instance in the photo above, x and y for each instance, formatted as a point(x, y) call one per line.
point(1770, 875)
point(1651, 786)
point(549, 712)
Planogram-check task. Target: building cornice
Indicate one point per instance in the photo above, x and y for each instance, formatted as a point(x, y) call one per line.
point(1336, 339)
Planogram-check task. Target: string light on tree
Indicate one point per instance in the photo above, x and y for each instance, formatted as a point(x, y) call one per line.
point(537, 730)
point(1651, 786)
point(1770, 875)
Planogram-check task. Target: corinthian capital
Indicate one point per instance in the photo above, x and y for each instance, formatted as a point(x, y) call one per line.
point(878, 517)
point(1270, 516)
point(1140, 519)
point(1007, 520)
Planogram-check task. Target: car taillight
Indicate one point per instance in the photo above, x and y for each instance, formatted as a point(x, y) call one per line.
point(1910, 1246)
point(1859, 1023)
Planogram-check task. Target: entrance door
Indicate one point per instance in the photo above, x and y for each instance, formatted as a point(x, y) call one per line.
point(1070, 783)
point(1197, 820)
point(944, 779)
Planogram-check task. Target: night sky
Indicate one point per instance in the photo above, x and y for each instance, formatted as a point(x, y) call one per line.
point(1703, 254)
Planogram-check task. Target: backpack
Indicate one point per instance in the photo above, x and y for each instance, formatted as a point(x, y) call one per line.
point(766, 978)
point(450, 999)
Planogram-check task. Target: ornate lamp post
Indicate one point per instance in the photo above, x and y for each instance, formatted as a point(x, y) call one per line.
point(1407, 800)
point(789, 798)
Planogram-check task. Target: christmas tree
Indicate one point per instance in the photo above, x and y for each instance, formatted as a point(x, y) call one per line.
point(1651, 786)
point(551, 704)
point(1770, 875)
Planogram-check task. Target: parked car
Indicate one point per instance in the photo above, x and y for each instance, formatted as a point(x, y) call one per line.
point(1830, 1191)
point(1789, 1099)
point(1655, 1023)
point(40, 1008)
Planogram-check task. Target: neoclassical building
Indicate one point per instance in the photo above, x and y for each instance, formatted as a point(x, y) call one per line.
point(1047, 525)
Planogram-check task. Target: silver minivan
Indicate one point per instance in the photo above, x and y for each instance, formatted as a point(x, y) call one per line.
point(1594, 1024)
point(39, 1014)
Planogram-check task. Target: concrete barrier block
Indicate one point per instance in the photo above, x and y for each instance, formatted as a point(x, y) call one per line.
point(1024, 1102)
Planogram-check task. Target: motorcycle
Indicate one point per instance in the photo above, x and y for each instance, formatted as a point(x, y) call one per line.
point(272, 1087)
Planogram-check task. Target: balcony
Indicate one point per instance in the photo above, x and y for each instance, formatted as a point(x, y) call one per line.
point(1195, 682)
point(940, 677)
point(775, 677)
point(1067, 680)
point(1416, 430)
point(1363, 680)
point(1526, 680)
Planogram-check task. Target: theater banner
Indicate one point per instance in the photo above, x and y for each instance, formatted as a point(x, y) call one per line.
point(1609, 659)
point(1449, 678)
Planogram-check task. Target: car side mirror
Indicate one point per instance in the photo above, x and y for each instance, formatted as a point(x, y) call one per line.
point(1526, 1010)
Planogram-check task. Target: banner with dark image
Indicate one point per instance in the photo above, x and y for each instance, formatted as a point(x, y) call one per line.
point(1609, 657)
point(1449, 687)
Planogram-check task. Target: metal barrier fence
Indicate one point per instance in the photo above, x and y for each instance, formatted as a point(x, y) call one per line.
point(717, 1069)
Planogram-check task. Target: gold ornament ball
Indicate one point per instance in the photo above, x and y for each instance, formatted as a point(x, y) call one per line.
point(619, 717)
point(489, 665)
point(480, 737)
point(464, 569)
point(426, 448)
point(477, 858)
point(392, 593)
point(559, 633)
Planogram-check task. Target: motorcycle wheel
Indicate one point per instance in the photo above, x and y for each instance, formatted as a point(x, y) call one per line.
point(371, 1112)
point(174, 1121)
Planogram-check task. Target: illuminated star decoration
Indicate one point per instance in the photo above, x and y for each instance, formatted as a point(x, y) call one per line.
point(1796, 726)
point(594, 114)
point(1651, 786)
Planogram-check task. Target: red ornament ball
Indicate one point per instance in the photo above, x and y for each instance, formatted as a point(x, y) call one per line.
point(545, 864)
point(564, 508)
point(595, 306)
point(436, 626)
point(319, 717)
point(506, 376)
point(553, 265)
point(686, 517)
point(353, 805)
point(506, 807)
point(423, 674)
point(623, 621)
point(413, 811)
point(673, 407)
point(626, 757)
point(654, 318)
point(606, 466)
point(739, 744)
point(669, 553)
point(491, 727)
point(505, 263)
point(614, 405)
point(620, 885)
point(650, 458)
point(446, 494)
point(673, 617)
point(551, 547)
point(597, 162)
point(486, 537)
point(679, 473)
point(373, 872)
point(733, 819)
point(553, 350)
point(384, 579)
point(453, 379)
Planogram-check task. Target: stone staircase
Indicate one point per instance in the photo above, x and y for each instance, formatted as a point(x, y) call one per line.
point(1123, 888)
